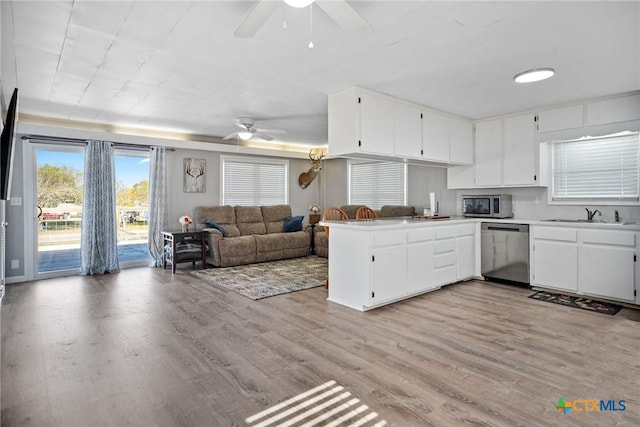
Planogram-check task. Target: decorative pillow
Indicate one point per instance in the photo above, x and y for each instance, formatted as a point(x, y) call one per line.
point(212, 224)
point(293, 223)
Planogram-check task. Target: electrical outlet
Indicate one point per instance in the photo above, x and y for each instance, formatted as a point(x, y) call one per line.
point(15, 263)
point(16, 201)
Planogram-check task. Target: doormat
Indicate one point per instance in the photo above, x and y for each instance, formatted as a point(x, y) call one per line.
point(578, 302)
point(266, 279)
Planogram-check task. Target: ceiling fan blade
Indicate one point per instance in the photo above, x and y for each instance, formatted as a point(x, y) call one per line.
point(276, 131)
point(263, 136)
point(233, 135)
point(255, 18)
point(344, 15)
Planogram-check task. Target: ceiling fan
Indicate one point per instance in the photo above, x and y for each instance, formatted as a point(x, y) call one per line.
point(339, 10)
point(247, 131)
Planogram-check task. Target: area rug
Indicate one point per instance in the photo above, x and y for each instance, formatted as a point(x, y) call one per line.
point(266, 279)
point(578, 302)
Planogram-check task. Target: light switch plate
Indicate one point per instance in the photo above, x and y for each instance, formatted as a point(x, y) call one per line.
point(16, 201)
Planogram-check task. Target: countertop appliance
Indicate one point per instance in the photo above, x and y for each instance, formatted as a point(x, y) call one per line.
point(505, 251)
point(496, 206)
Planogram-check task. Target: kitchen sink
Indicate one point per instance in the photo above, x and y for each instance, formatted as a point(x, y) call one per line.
point(589, 221)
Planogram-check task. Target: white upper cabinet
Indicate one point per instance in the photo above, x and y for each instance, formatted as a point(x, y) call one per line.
point(407, 131)
point(371, 125)
point(376, 124)
point(623, 109)
point(360, 122)
point(520, 152)
point(488, 170)
point(460, 141)
point(561, 119)
point(435, 136)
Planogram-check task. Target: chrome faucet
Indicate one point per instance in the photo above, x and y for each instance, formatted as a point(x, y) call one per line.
point(591, 214)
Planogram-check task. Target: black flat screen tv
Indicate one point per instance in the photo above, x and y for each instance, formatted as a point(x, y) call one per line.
point(7, 147)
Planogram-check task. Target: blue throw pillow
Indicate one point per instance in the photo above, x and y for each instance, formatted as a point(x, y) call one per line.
point(293, 223)
point(220, 228)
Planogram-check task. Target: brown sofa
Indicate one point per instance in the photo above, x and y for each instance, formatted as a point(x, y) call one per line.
point(254, 234)
point(321, 242)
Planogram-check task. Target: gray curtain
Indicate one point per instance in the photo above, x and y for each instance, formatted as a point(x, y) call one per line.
point(99, 241)
point(157, 204)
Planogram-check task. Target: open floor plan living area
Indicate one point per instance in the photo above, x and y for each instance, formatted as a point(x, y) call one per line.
point(304, 213)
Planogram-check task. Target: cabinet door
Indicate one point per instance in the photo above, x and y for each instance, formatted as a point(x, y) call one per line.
point(465, 257)
point(460, 141)
point(488, 153)
point(520, 151)
point(561, 119)
point(376, 124)
point(435, 136)
point(615, 110)
point(408, 131)
point(389, 273)
point(555, 264)
point(459, 177)
point(607, 271)
point(420, 267)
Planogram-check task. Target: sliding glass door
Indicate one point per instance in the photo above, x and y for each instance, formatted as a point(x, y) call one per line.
point(58, 195)
point(132, 201)
point(59, 186)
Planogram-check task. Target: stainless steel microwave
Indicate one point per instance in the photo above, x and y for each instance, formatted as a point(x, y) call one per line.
point(496, 206)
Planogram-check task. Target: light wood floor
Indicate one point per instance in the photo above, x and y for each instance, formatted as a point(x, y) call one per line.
point(145, 347)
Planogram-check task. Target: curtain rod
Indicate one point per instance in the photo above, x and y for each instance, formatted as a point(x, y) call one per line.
point(52, 139)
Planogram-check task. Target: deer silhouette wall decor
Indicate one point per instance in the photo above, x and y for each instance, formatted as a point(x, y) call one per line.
point(194, 178)
point(307, 177)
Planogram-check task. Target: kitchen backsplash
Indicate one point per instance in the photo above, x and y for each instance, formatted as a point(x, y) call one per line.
point(531, 203)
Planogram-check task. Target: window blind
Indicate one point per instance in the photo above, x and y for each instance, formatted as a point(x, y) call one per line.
point(249, 182)
point(377, 184)
point(604, 168)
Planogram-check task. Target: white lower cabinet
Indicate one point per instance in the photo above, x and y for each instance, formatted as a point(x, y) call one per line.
point(556, 265)
point(389, 273)
point(369, 268)
point(607, 264)
point(465, 251)
point(595, 262)
point(445, 255)
point(420, 260)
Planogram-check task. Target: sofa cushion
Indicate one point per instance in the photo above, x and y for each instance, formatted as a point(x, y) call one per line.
point(321, 243)
point(249, 220)
point(350, 210)
point(292, 224)
point(220, 228)
point(269, 247)
point(274, 216)
point(237, 251)
point(224, 216)
point(388, 211)
point(296, 244)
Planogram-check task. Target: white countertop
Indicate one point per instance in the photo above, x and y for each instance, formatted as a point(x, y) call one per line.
point(404, 222)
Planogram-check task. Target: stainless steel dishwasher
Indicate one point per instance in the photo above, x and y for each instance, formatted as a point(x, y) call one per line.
point(505, 251)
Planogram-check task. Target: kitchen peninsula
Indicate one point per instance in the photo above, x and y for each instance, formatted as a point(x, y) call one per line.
point(377, 262)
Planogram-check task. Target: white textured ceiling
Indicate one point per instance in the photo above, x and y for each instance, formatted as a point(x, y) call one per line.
point(177, 65)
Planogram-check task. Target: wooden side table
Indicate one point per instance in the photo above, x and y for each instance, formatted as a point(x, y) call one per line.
point(187, 240)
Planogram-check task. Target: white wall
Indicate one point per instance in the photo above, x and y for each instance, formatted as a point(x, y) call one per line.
point(181, 203)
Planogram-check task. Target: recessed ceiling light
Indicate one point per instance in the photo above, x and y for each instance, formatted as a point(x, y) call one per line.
point(299, 3)
point(534, 75)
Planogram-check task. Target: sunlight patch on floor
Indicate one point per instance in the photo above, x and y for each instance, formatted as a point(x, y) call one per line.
point(326, 405)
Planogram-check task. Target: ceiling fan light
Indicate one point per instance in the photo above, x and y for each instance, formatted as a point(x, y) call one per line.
point(299, 3)
point(244, 135)
point(534, 75)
